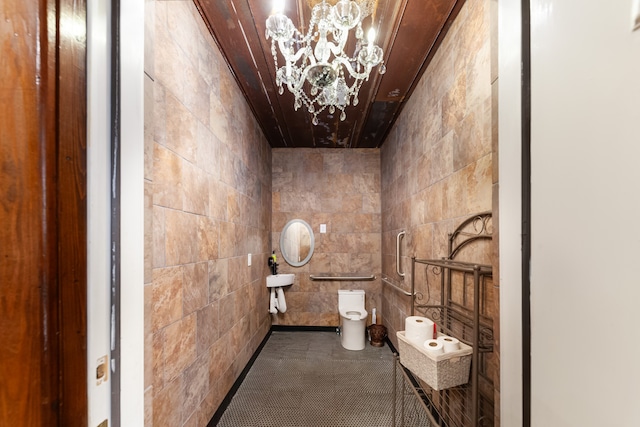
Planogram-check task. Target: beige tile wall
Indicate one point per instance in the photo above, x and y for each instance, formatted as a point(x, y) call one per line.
point(339, 188)
point(438, 163)
point(208, 204)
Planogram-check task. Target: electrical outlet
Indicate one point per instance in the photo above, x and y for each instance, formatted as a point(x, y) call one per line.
point(323, 228)
point(249, 260)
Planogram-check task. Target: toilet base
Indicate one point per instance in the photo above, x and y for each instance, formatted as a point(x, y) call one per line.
point(352, 336)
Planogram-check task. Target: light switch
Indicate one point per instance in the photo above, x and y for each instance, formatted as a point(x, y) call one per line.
point(249, 260)
point(323, 228)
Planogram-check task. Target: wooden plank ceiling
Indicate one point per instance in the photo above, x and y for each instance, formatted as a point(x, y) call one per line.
point(409, 32)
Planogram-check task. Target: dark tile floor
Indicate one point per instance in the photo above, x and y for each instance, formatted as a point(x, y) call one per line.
point(307, 379)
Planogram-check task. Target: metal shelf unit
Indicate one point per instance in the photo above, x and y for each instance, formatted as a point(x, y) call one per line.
point(461, 309)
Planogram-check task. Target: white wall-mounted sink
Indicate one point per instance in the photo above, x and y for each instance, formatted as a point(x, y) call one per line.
point(278, 280)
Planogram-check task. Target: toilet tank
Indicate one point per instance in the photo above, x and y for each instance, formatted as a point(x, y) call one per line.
point(351, 298)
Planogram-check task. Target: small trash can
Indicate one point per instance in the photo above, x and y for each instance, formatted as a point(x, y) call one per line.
point(377, 333)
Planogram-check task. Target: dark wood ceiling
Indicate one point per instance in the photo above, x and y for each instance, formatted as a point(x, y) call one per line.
point(409, 32)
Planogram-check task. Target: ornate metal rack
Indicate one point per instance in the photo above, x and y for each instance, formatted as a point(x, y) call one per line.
point(457, 300)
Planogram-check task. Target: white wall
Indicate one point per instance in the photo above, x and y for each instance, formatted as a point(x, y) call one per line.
point(585, 212)
point(131, 364)
point(132, 213)
point(510, 213)
point(585, 204)
point(98, 205)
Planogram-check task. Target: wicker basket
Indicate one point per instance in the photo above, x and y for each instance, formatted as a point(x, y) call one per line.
point(440, 371)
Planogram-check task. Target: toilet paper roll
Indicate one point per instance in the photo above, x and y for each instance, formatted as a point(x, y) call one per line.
point(433, 347)
point(418, 329)
point(449, 344)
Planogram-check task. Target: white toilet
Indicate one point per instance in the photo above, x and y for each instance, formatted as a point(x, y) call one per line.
point(353, 319)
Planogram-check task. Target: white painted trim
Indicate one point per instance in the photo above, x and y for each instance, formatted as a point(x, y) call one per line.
point(98, 207)
point(510, 211)
point(132, 213)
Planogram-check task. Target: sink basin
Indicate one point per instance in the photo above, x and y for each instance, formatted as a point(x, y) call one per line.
point(278, 280)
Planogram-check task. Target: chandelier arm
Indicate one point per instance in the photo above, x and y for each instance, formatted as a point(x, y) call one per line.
point(353, 73)
point(338, 50)
point(290, 58)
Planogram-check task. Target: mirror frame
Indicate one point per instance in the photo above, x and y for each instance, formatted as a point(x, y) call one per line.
point(311, 243)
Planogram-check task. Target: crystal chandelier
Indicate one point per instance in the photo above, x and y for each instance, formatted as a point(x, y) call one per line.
point(324, 76)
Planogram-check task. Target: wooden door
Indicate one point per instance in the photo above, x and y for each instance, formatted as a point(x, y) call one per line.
point(43, 372)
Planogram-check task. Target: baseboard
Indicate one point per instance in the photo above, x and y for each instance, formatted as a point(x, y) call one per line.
point(227, 399)
point(303, 328)
point(391, 346)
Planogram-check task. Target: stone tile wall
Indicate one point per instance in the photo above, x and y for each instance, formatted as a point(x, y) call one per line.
point(439, 163)
point(339, 188)
point(208, 204)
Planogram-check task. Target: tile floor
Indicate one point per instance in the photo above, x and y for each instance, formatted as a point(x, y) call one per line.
point(307, 379)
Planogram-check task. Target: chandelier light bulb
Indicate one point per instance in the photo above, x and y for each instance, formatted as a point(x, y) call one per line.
point(278, 7)
point(371, 35)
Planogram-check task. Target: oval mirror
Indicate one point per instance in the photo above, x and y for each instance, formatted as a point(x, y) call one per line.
point(297, 242)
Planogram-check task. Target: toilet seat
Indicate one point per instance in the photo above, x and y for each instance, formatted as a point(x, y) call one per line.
point(353, 314)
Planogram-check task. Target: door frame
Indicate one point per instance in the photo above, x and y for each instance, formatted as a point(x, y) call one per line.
point(43, 366)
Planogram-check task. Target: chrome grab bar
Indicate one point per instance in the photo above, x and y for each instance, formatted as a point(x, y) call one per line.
point(400, 234)
point(407, 293)
point(312, 277)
